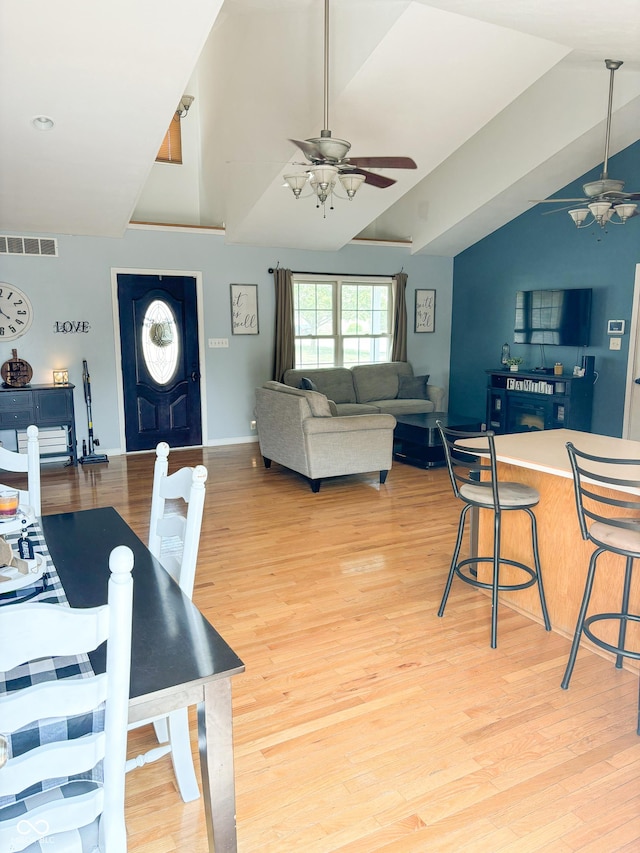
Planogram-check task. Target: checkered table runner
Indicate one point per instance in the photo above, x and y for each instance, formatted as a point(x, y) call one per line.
point(47, 589)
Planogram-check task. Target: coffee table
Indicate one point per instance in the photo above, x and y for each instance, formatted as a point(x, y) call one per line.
point(416, 439)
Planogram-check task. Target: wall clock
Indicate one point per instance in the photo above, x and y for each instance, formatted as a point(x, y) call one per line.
point(16, 312)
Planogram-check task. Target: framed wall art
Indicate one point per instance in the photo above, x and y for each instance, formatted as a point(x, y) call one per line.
point(425, 311)
point(244, 309)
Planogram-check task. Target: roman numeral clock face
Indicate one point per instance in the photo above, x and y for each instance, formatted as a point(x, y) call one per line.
point(16, 312)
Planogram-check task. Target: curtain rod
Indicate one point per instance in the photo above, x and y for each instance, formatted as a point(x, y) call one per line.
point(271, 271)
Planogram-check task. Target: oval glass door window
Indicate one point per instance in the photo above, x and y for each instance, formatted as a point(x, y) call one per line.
point(160, 341)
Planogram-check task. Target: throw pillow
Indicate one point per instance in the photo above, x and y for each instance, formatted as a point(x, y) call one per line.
point(318, 404)
point(412, 387)
point(308, 384)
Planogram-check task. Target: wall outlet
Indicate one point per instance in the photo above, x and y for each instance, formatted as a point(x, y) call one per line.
point(253, 424)
point(615, 343)
point(215, 343)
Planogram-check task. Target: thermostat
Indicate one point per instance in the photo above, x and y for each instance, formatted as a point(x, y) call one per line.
point(615, 327)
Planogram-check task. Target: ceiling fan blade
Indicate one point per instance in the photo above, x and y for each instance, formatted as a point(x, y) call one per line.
point(310, 151)
point(383, 162)
point(371, 178)
point(558, 209)
point(558, 200)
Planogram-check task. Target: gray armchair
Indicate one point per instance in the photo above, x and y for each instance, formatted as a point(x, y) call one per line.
point(296, 429)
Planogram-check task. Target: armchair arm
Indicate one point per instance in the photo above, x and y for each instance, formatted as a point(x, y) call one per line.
point(348, 423)
point(436, 394)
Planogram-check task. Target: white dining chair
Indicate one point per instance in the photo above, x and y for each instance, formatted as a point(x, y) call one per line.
point(78, 816)
point(177, 505)
point(28, 463)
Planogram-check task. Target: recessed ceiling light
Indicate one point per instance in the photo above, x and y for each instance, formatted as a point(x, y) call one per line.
point(42, 123)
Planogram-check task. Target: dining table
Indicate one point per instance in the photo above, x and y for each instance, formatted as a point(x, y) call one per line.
point(178, 658)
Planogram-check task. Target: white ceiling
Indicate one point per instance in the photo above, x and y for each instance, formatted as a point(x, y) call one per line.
point(497, 101)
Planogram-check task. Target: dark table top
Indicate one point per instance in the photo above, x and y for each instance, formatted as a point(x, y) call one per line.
point(427, 420)
point(30, 387)
point(172, 642)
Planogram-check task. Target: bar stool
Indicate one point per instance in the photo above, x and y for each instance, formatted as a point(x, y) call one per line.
point(617, 535)
point(466, 464)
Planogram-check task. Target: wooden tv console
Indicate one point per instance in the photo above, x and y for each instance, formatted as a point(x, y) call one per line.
point(528, 401)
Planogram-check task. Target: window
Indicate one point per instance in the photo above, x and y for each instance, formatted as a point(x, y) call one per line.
point(538, 316)
point(171, 148)
point(159, 341)
point(342, 322)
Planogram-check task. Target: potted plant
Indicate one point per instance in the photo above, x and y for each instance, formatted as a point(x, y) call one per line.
point(514, 362)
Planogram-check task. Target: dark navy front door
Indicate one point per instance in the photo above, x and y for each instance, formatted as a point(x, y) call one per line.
point(160, 360)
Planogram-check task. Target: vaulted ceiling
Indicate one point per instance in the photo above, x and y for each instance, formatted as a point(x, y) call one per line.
point(498, 103)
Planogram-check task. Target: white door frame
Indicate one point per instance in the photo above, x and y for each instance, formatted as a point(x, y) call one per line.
point(631, 387)
point(115, 272)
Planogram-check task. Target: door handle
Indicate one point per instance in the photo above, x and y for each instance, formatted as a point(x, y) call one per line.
point(637, 381)
point(195, 376)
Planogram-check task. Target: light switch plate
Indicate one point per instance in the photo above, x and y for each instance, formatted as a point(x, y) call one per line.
point(215, 343)
point(615, 343)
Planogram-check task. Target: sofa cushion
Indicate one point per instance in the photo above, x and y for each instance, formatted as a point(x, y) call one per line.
point(412, 387)
point(356, 409)
point(378, 381)
point(335, 382)
point(319, 404)
point(404, 407)
point(308, 384)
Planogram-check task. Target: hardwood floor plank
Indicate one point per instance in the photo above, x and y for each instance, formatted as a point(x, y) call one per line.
point(364, 723)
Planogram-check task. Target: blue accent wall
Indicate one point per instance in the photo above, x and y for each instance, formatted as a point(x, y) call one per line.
point(537, 251)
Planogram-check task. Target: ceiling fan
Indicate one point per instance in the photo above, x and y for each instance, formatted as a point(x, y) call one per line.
point(605, 197)
point(328, 155)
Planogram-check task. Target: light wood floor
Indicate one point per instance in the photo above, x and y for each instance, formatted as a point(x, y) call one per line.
point(363, 722)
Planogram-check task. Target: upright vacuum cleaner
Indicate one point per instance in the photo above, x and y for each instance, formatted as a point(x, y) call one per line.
point(91, 456)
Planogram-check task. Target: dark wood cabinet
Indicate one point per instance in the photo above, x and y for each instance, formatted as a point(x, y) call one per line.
point(46, 406)
point(523, 402)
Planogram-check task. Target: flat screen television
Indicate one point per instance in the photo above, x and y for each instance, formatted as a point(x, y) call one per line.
point(556, 317)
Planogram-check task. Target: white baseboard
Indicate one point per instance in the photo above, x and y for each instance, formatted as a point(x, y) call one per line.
point(213, 442)
point(221, 442)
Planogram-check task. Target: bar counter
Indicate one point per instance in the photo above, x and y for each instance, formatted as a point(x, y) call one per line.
point(540, 459)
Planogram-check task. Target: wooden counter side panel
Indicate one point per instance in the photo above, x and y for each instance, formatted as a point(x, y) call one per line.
point(564, 558)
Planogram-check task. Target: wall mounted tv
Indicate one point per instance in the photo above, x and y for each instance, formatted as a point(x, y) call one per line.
point(557, 317)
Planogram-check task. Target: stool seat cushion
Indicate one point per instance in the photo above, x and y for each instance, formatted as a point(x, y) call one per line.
point(510, 495)
point(621, 538)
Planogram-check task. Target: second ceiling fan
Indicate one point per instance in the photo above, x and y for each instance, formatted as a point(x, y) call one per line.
point(328, 155)
point(605, 197)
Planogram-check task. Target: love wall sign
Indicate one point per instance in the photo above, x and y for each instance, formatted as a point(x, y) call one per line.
point(71, 327)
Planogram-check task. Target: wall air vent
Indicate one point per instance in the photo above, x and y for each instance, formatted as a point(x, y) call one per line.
point(43, 246)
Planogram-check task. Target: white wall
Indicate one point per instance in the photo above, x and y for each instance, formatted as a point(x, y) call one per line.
point(77, 286)
point(171, 193)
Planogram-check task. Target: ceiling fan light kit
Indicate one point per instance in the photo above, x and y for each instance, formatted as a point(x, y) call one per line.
point(328, 156)
point(323, 180)
point(351, 182)
point(605, 200)
point(296, 183)
point(603, 213)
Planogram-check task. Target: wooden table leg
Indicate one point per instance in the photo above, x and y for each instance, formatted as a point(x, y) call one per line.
point(215, 743)
point(473, 531)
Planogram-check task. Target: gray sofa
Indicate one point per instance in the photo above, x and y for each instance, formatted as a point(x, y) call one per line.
point(389, 387)
point(296, 429)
